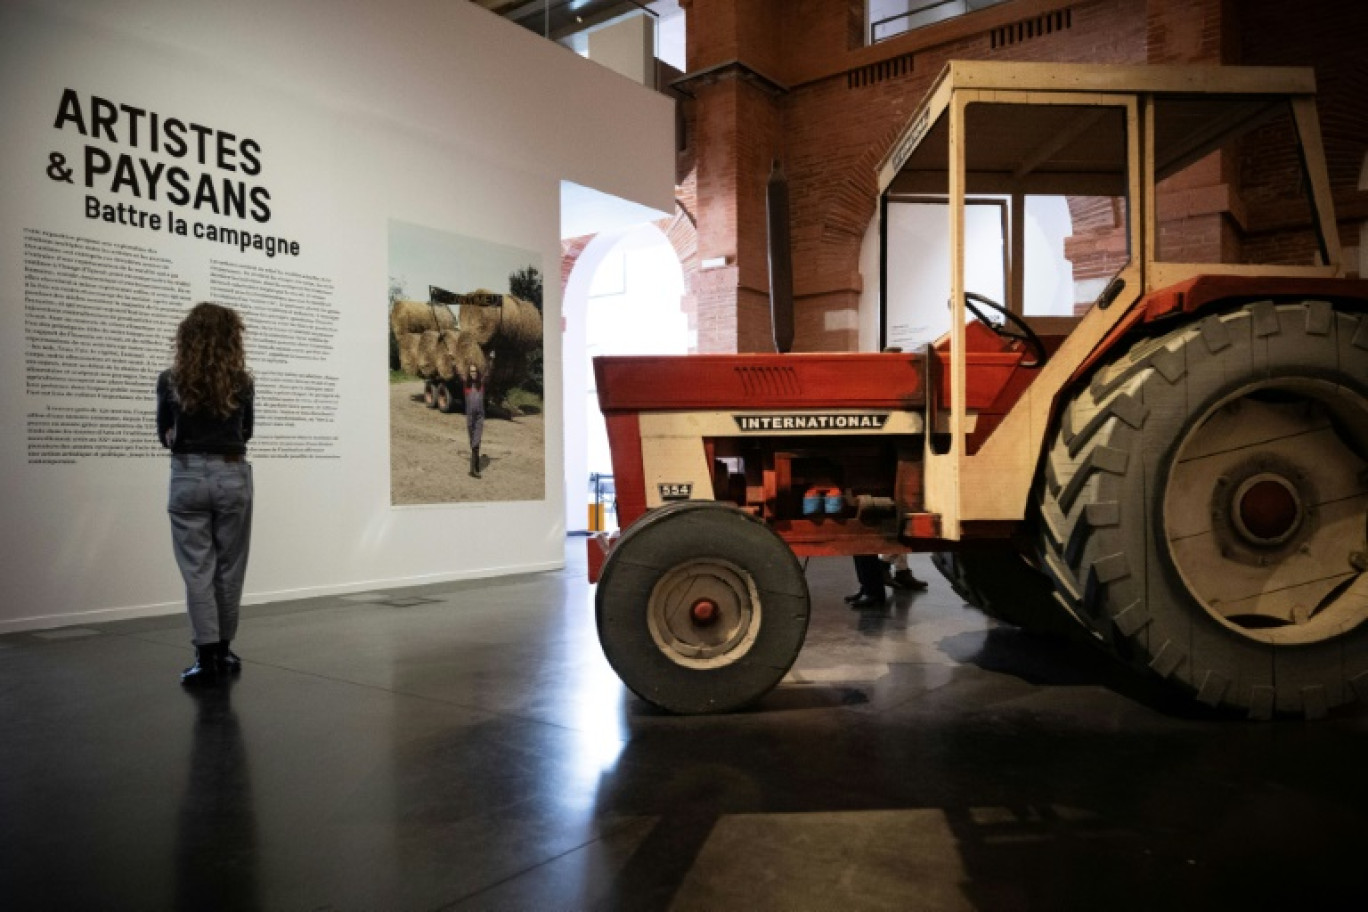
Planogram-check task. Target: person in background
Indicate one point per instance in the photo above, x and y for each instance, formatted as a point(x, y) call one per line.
point(898, 575)
point(205, 417)
point(877, 571)
point(869, 571)
point(472, 384)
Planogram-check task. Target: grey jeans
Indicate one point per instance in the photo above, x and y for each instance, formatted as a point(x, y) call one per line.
point(210, 505)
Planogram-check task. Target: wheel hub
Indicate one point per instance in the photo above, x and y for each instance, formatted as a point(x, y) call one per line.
point(704, 613)
point(1266, 505)
point(1266, 510)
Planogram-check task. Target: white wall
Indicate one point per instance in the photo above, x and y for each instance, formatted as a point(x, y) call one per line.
point(430, 112)
point(626, 46)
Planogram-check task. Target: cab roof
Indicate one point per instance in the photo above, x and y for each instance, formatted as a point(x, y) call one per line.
point(1045, 137)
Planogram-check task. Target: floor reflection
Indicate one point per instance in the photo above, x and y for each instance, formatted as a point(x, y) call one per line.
point(472, 750)
point(216, 833)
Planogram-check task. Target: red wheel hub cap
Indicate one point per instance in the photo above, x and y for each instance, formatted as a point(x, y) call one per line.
point(704, 611)
point(1268, 509)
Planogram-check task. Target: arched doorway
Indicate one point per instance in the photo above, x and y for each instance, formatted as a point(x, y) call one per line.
point(621, 297)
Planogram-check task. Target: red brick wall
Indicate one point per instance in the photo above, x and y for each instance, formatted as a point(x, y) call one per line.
point(1098, 248)
point(835, 135)
point(571, 248)
point(839, 116)
point(1189, 31)
point(1333, 37)
point(831, 134)
point(737, 130)
point(720, 31)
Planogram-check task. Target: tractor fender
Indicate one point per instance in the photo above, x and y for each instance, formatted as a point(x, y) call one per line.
point(1164, 308)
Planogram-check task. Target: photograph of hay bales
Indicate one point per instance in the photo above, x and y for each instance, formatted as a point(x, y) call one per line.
point(467, 421)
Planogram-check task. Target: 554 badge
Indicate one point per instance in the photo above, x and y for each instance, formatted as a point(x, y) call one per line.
point(675, 490)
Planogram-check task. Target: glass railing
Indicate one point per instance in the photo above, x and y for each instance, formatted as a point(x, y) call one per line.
point(890, 18)
point(559, 19)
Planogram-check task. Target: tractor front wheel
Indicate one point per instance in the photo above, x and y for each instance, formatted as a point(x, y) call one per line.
point(446, 400)
point(701, 608)
point(1204, 508)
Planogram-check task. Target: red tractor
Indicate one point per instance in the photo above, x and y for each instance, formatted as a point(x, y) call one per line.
point(1181, 472)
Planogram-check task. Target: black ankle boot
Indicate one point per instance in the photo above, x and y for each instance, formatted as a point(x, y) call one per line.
point(869, 598)
point(474, 462)
point(206, 668)
point(228, 660)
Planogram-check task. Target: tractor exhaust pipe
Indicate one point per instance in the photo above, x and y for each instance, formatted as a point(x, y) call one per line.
point(780, 259)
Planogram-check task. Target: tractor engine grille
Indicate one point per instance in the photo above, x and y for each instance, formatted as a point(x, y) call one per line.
point(770, 382)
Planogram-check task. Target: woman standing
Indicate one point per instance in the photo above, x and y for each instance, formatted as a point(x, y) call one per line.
point(204, 416)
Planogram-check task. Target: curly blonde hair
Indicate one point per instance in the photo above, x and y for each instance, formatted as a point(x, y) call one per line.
point(211, 365)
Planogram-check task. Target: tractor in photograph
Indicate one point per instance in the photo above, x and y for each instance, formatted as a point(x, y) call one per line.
point(1180, 473)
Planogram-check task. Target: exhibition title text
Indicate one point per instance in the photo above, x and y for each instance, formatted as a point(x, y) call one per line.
point(212, 170)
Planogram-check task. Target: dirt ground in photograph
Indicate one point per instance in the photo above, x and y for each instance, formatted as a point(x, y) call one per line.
point(430, 454)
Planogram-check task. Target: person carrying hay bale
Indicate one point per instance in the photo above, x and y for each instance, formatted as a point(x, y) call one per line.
point(503, 324)
point(472, 385)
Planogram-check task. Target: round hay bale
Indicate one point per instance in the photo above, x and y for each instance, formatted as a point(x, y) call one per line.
point(466, 351)
point(514, 320)
point(427, 352)
point(408, 352)
point(417, 316)
point(478, 321)
point(449, 342)
point(446, 365)
point(520, 324)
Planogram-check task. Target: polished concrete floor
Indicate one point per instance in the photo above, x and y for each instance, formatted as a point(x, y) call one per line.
point(465, 746)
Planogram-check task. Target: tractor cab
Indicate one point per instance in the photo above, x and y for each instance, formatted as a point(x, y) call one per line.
point(1133, 161)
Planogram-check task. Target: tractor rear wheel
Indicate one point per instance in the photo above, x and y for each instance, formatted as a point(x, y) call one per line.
point(1204, 508)
point(1000, 583)
point(701, 608)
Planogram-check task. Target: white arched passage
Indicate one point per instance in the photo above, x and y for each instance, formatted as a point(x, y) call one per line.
point(622, 297)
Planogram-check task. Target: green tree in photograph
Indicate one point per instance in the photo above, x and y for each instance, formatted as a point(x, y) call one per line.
point(526, 283)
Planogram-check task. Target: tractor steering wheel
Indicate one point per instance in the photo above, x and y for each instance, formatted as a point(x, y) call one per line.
point(1011, 327)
